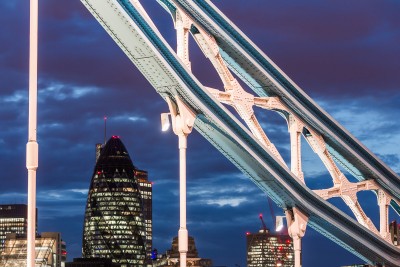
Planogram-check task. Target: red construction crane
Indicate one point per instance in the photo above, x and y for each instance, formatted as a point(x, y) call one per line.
point(263, 223)
point(271, 209)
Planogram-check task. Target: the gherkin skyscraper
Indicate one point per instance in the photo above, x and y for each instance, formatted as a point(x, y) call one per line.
point(114, 225)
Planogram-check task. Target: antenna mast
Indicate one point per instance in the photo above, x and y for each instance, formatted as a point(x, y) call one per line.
point(105, 129)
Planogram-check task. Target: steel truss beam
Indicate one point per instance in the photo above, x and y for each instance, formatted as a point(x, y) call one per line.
point(132, 29)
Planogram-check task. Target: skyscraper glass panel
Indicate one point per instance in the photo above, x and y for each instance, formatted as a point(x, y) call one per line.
point(146, 193)
point(114, 226)
point(269, 250)
point(13, 219)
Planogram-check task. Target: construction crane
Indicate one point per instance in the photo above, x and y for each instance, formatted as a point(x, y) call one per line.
point(263, 223)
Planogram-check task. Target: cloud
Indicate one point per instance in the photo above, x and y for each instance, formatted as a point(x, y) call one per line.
point(81, 191)
point(369, 119)
point(53, 206)
point(131, 117)
point(137, 119)
point(60, 92)
point(324, 55)
point(234, 193)
point(233, 202)
point(16, 97)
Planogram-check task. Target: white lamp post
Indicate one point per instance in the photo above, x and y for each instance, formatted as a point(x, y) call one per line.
point(182, 123)
point(32, 148)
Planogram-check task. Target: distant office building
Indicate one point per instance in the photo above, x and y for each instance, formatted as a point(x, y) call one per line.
point(95, 262)
point(13, 219)
point(359, 265)
point(269, 250)
point(114, 226)
point(50, 251)
point(146, 192)
point(171, 257)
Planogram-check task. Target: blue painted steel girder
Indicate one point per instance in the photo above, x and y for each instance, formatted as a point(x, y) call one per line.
point(266, 79)
point(159, 64)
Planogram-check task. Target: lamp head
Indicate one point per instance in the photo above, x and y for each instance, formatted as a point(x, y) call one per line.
point(165, 124)
point(279, 223)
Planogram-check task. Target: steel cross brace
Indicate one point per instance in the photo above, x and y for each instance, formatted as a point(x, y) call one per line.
point(243, 102)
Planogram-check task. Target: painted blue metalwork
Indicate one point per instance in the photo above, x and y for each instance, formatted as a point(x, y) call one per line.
point(216, 124)
point(240, 72)
point(346, 157)
point(342, 155)
point(169, 7)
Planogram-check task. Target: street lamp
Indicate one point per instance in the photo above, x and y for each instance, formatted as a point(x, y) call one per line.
point(182, 124)
point(165, 124)
point(279, 223)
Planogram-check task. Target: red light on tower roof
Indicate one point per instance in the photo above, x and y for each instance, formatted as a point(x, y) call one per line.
point(260, 215)
point(115, 136)
point(247, 233)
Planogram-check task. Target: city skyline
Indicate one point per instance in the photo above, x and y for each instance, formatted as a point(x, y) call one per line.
point(80, 68)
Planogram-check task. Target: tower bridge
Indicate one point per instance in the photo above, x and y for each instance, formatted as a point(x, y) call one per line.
point(249, 148)
point(262, 84)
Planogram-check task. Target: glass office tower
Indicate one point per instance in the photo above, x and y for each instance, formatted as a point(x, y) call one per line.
point(146, 193)
point(265, 249)
point(114, 225)
point(13, 219)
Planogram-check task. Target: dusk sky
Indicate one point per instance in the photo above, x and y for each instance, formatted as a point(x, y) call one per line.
point(343, 54)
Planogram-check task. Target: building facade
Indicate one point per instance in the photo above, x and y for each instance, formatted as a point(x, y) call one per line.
point(50, 250)
point(359, 265)
point(171, 257)
point(269, 250)
point(93, 262)
point(146, 193)
point(13, 219)
point(114, 226)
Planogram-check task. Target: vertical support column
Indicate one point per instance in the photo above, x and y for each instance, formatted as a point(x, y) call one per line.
point(183, 232)
point(182, 123)
point(295, 147)
point(383, 202)
point(32, 148)
point(297, 251)
point(182, 38)
point(297, 223)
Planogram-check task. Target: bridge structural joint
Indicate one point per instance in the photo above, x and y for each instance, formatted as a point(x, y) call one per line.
point(297, 224)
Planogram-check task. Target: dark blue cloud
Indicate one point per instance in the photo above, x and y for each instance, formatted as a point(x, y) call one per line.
point(345, 55)
point(328, 49)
